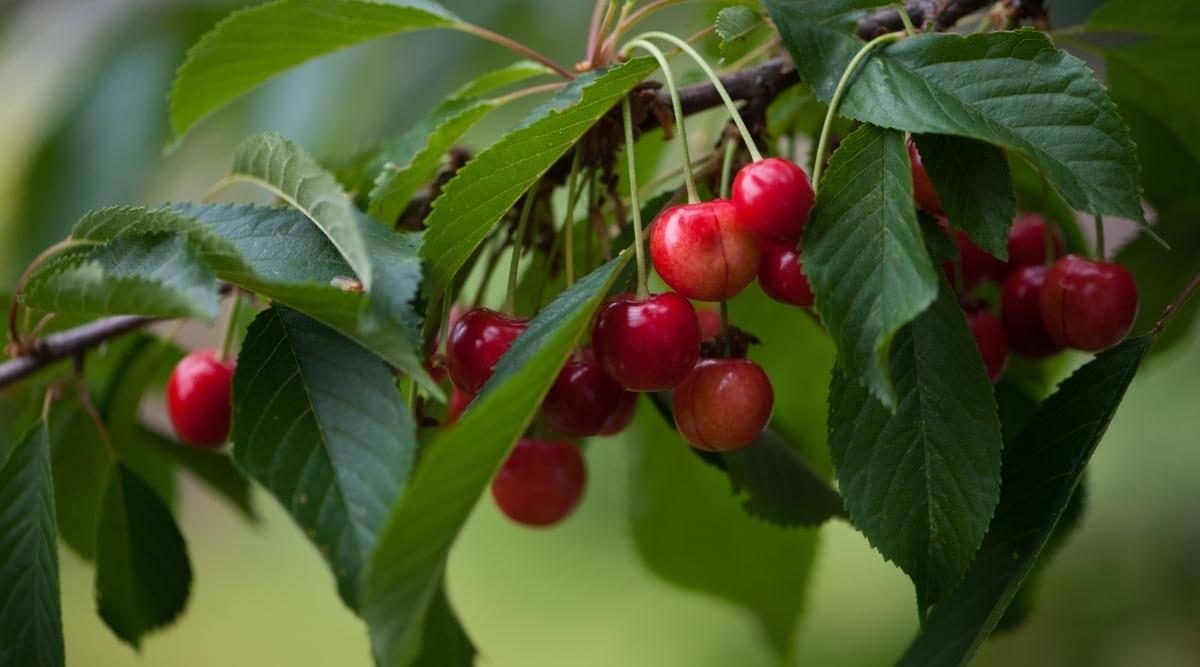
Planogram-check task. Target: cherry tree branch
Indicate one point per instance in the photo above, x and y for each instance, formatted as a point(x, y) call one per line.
point(944, 14)
point(67, 344)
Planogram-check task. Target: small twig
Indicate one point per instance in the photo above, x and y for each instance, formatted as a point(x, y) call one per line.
point(89, 406)
point(1175, 305)
point(515, 46)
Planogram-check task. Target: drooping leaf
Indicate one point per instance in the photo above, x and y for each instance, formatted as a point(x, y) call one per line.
point(445, 643)
point(319, 422)
point(405, 572)
point(213, 469)
point(157, 275)
point(922, 483)
point(254, 44)
point(80, 464)
point(143, 575)
point(974, 187)
point(1011, 89)
point(489, 185)
point(780, 487)
point(30, 612)
point(864, 255)
point(1042, 470)
point(693, 533)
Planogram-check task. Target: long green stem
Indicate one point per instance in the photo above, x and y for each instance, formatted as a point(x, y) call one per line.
point(518, 241)
point(1100, 250)
point(906, 20)
point(230, 326)
point(677, 107)
point(568, 226)
point(727, 168)
point(839, 92)
point(634, 203)
point(716, 81)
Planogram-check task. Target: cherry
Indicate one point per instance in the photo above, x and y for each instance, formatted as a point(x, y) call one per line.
point(723, 404)
point(702, 250)
point(781, 275)
point(1088, 305)
point(620, 417)
point(710, 323)
point(477, 341)
point(582, 398)
point(923, 192)
point(1021, 312)
point(647, 345)
point(977, 264)
point(540, 482)
point(773, 198)
point(198, 398)
point(992, 341)
point(1027, 241)
point(459, 402)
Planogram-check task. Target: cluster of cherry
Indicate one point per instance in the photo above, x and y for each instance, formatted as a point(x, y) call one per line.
point(1048, 301)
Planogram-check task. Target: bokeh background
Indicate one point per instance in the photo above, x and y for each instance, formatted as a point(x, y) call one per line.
point(83, 124)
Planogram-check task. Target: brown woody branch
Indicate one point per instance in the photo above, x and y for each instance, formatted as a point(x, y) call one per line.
point(944, 14)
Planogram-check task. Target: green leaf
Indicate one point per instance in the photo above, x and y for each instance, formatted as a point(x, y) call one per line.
point(692, 532)
point(214, 470)
point(157, 275)
point(1041, 472)
point(490, 82)
point(922, 483)
point(80, 465)
point(254, 44)
point(1011, 89)
point(779, 486)
point(284, 169)
point(734, 25)
point(319, 422)
point(143, 575)
point(30, 613)
point(974, 186)
point(864, 255)
point(403, 576)
point(445, 644)
point(482, 191)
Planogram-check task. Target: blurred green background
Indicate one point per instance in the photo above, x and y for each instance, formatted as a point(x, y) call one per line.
point(83, 124)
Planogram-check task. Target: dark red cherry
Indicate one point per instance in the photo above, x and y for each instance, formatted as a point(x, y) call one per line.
point(621, 417)
point(1027, 241)
point(648, 345)
point(781, 275)
point(710, 322)
point(198, 398)
point(540, 482)
point(459, 401)
point(477, 341)
point(702, 251)
point(992, 341)
point(923, 192)
point(1088, 305)
point(977, 264)
point(773, 198)
point(1021, 313)
point(723, 404)
point(582, 399)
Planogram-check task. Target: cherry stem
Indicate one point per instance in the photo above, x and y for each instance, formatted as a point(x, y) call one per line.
point(1175, 305)
point(677, 107)
point(527, 91)
point(634, 203)
point(568, 226)
point(89, 406)
point(604, 10)
point(842, 86)
point(625, 23)
point(518, 242)
point(725, 328)
point(906, 20)
point(716, 81)
point(1099, 226)
point(727, 168)
point(230, 326)
point(515, 46)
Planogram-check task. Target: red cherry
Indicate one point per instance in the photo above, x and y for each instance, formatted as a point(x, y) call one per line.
point(781, 275)
point(990, 337)
point(977, 264)
point(620, 417)
point(702, 251)
point(710, 323)
point(540, 482)
point(459, 401)
point(648, 345)
point(773, 198)
point(198, 398)
point(1027, 241)
point(1088, 305)
point(582, 398)
point(723, 404)
point(476, 343)
point(1021, 312)
point(923, 192)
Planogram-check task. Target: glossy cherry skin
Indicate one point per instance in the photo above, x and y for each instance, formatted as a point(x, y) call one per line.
point(923, 192)
point(198, 398)
point(702, 250)
point(992, 341)
point(1027, 241)
point(619, 420)
point(477, 341)
point(723, 404)
point(648, 345)
point(710, 323)
point(773, 198)
point(977, 264)
point(540, 482)
point(582, 399)
point(781, 275)
point(459, 402)
point(1088, 305)
point(1021, 313)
